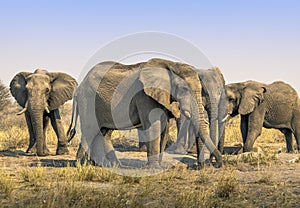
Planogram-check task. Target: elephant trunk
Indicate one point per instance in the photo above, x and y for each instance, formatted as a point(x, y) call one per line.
point(203, 131)
point(36, 113)
point(214, 127)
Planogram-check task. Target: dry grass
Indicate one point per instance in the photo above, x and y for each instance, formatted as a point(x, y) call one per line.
point(90, 186)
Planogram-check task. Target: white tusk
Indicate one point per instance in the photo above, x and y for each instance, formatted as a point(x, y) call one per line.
point(226, 117)
point(47, 109)
point(187, 114)
point(22, 111)
point(206, 121)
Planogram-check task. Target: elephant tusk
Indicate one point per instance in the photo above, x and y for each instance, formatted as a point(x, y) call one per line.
point(225, 118)
point(22, 111)
point(187, 114)
point(206, 121)
point(47, 109)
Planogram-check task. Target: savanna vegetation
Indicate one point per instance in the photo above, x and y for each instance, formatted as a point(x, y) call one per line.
point(268, 177)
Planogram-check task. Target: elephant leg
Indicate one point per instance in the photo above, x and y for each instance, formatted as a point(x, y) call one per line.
point(153, 150)
point(100, 150)
point(109, 150)
point(288, 139)
point(164, 137)
point(45, 125)
point(182, 145)
point(297, 137)
point(56, 123)
point(255, 124)
point(150, 114)
point(296, 125)
point(142, 140)
point(200, 152)
point(221, 136)
point(32, 138)
point(212, 148)
point(244, 127)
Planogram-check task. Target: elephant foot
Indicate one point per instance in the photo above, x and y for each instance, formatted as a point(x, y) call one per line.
point(62, 150)
point(154, 165)
point(180, 150)
point(218, 157)
point(176, 149)
point(42, 154)
point(197, 166)
point(112, 158)
point(247, 149)
point(217, 164)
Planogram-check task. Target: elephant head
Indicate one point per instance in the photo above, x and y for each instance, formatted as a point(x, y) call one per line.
point(244, 97)
point(39, 93)
point(214, 100)
point(195, 111)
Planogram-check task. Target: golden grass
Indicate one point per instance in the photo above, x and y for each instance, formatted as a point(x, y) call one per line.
point(90, 186)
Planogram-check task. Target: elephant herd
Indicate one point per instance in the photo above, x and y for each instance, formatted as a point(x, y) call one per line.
point(145, 96)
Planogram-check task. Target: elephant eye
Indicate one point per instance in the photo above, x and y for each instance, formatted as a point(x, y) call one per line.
point(231, 99)
point(47, 90)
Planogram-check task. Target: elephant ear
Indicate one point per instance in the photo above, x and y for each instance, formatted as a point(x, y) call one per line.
point(157, 84)
point(18, 88)
point(251, 98)
point(62, 89)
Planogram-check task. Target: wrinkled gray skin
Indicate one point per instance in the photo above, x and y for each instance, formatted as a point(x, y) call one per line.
point(40, 94)
point(136, 96)
point(214, 101)
point(260, 105)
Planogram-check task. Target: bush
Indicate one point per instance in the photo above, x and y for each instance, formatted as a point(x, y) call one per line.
point(4, 96)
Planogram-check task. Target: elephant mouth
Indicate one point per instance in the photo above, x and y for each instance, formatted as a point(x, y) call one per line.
point(26, 108)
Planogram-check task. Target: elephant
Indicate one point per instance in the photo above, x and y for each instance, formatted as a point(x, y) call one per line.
point(40, 94)
point(144, 95)
point(274, 105)
point(214, 101)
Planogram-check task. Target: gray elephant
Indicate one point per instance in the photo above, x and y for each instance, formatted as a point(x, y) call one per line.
point(260, 105)
point(214, 100)
point(144, 95)
point(41, 94)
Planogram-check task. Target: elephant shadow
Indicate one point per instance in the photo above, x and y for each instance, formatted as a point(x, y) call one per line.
point(12, 153)
point(58, 163)
point(133, 163)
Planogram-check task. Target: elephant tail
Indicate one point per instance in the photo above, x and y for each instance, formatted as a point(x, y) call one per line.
point(72, 131)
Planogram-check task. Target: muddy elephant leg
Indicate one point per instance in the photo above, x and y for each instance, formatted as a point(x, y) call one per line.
point(255, 124)
point(56, 123)
point(164, 137)
point(31, 132)
point(45, 125)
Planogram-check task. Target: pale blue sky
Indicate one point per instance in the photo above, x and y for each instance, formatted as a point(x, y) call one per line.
point(257, 40)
